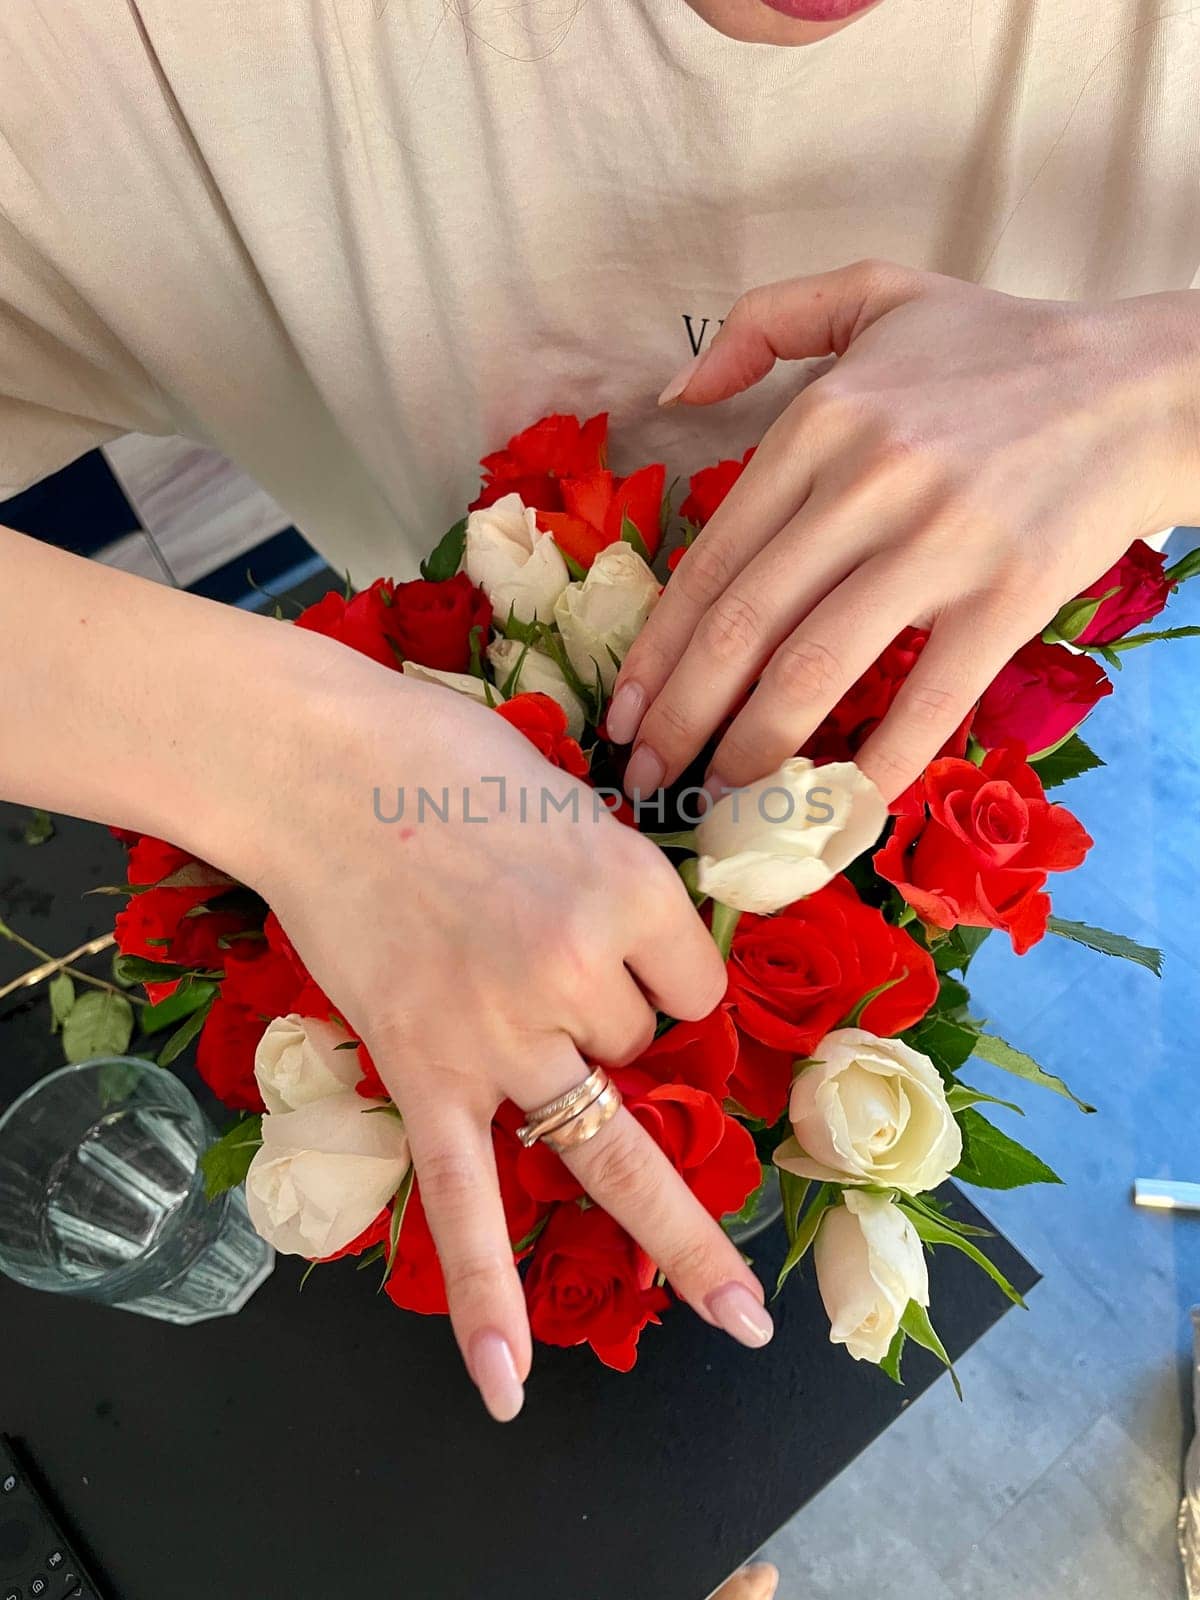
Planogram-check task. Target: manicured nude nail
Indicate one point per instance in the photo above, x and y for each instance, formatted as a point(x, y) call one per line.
point(644, 774)
point(715, 787)
point(735, 1309)
point(625, 712)
point(495, 1374)
point(681, 380)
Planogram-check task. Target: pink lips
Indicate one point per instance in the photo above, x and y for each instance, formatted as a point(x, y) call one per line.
point(818, 10)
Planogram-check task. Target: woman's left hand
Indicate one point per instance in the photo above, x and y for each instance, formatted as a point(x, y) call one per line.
point(971, 462)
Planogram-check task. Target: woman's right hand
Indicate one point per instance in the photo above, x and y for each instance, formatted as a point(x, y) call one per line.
point(486, 957)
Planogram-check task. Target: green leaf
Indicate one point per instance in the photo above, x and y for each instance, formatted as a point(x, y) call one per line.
point(684, 839)
point(1133, 640)
point(98, 1024)
point(793, 1190)
point(934, 1209)
point(348, 1044)
point(446, 557)
point(575, 568)
point(938, 1233)
point(954, 952)
point(991, 1160)
point(853, 1016)
point(724, 923)
point(1186, 567)
point(632, 534)
point(39, 828)
point(62, 997)
point(226, 1163)
point(191, 994)
point(960, 1097)
point(182, 1037)
point(1068, 760)
point(1107, 653)
point(1071, 619)
point(138, 969)
point(116, 1081)
point(749, 1210)
point(1000, 1054)
point(916, 1324)
point(947, 1043)
point(890, 1365)
point(1108, 944)
point(368, 1257)
point(399, 1207)
point(806, 1232)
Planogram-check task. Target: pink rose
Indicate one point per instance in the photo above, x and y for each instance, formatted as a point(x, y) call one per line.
point(1041, 696)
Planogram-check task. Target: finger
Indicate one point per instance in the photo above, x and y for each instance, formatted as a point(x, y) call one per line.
point(620, 1023)
point(773, 486)
point(452, 1155)
point(758, 1582)
point(814, 667)
point(820, 315)
point(673, 956)
point(728, 646)
point(967, 648)
point(624, 1171)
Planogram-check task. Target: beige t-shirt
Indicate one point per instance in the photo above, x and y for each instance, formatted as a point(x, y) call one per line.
point(355, 243)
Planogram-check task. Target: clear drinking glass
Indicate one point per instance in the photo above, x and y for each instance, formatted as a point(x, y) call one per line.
point(101, 1195)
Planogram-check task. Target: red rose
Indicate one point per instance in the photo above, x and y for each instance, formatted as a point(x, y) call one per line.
point(797, 975)
point(544, 723)
point(1142, 592)
point(361, 623)
point(416, 1282)
point(707, 488)
point(596, 508)
point(431, 623)
point(371, 1086)
point(983, 847)
point(589, 1283)
point(1041, 696)
point(156, 923)
point(252, 992)
point(534, 461)
point(703, 1054)
point(863, 707)
point(713, 1153)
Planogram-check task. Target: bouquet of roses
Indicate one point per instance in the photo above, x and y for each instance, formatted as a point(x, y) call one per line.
point(831, 1076)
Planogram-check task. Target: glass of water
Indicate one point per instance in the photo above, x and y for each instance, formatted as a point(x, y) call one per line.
point(101, 1195)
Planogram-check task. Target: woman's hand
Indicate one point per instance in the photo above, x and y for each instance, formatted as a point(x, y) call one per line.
point(484, 957)
point(971, 462)
point(758, 1582)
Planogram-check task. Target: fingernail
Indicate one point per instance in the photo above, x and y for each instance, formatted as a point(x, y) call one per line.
point(644, 774)
point(495, 1374)
point(764, 1580)
point(736, 1310)
point(715, 788)
point(681, 380)
point(624, 713)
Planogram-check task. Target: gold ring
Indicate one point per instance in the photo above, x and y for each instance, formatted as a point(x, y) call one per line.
point(574, 1117)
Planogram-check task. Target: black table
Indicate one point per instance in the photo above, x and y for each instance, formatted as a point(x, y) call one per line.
point(327, 1444)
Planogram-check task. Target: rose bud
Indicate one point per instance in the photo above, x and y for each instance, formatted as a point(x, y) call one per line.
point(870, 1110)
point(788, 835)
point(518, 567)
point(870, 1265)
point(538, 675)
point(324, 1173)
point(602, 616)
point(297, 1061)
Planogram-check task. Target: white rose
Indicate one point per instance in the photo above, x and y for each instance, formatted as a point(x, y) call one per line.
point(324, 1173)
point(461, 682)
point(297, 1060)
point(870, 1110)
point(869, 1266)
point(603, 615)
point(517, 566)
point(775, 841)
point(538, 674)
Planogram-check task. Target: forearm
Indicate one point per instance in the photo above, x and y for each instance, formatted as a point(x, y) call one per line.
point(130, 703)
